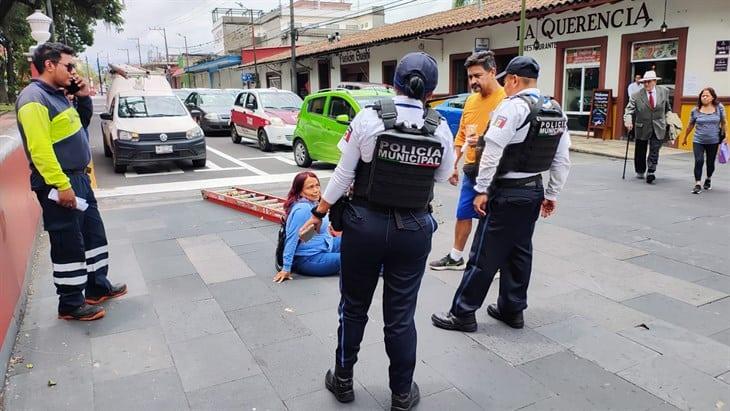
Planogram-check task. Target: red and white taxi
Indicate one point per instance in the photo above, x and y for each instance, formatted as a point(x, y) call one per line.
point(265, 115)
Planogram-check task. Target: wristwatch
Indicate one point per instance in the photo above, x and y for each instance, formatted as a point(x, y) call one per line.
point(317, 213)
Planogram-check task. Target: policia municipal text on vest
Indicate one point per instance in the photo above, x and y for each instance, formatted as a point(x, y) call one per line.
point(401, 174)
point(536, 153)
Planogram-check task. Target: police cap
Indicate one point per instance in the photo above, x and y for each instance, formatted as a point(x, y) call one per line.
point(522, 66)
point(417, 63)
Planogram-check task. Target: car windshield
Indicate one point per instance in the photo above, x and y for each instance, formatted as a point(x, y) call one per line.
point(218, 99)
point(181, 94)
point(280, 100)
point(151, 106)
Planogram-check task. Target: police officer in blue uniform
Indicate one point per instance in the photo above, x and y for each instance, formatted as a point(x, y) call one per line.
point(527, 136)
point(393, 153)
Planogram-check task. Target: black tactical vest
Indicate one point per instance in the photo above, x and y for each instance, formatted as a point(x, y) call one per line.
point(535, 154)
point(401, 174)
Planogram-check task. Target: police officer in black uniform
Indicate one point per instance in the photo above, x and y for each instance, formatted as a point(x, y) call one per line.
point(527, 135)
point(393, 152)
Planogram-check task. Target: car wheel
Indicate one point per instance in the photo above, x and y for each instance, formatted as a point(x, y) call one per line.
point(264, 143)
point(301, 154)
point(119, 168)
point(107, 150)
point(234, 135)
point(199, 163)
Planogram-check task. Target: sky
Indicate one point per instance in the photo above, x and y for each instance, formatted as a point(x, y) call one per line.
point(192, 18)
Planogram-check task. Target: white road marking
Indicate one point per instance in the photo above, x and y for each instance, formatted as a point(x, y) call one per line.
point(211, 165)
point(134, 174)
point(198, 184)
point(203, 170)
point(236, 161)
point(286, 160)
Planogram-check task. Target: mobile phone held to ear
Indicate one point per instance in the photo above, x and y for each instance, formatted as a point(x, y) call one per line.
point(73, 88)
point(307, 234)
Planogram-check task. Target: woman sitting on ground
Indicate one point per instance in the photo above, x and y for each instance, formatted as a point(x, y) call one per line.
point(320, 255)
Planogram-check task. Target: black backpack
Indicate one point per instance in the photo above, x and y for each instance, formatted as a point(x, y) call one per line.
point(280, 242)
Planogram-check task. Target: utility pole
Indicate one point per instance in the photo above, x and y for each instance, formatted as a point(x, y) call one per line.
point(255, 62)
point(49, 12)
point(187, 55)
point(139, 49)
point(292, 34)
point(127, 50)
point(522, 30)
point(98, 69)
point(164, 34)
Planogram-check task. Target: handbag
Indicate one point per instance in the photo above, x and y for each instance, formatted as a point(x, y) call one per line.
point(723, 153)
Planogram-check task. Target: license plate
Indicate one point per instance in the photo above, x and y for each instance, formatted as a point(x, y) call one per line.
point(163, 149)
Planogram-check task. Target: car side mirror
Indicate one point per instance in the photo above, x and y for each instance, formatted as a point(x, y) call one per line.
point(106, 116)
point(195, 113)
point(251, 106)
point(343, 119)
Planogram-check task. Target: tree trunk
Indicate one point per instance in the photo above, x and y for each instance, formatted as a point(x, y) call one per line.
point(3, 73)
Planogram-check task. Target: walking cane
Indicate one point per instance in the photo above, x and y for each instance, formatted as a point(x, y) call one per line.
point(626, 156)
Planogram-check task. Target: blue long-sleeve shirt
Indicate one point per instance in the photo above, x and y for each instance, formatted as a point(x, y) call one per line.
point(321, 242)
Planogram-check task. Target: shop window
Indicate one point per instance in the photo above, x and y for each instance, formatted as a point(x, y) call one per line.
point(659, 56)
point(460, 83)
point(273, 80)
point(582, 70)
point(323, 74)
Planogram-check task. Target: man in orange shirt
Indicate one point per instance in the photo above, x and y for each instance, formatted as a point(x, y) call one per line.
point(481, 70)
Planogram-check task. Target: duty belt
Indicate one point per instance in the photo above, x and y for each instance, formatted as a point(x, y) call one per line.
point(358, 201)
point(533, 181)
point(86, 170)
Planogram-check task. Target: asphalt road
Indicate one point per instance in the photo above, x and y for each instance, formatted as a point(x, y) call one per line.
point(227, 163)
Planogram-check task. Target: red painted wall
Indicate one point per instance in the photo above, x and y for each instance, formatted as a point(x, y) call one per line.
point(19, 217)
point(261, 52)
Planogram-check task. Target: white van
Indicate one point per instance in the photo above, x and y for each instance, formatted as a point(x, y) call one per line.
point(145, 122)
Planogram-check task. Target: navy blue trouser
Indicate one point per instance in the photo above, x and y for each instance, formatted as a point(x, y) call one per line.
point(399, 242)
point(79, 250)
point(503, 241)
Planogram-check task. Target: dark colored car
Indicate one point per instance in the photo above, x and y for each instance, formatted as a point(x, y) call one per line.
point(211, 109)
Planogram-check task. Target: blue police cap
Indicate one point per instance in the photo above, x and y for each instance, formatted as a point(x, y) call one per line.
point(522, 66)
point(417, 63)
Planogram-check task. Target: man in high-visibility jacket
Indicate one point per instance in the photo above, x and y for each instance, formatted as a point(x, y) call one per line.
point(58, 151)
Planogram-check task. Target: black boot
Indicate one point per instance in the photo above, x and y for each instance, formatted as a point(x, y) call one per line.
point(84, 312)
point(405, 402)
point(449, 321)
point(513, 320)
point(339, 383)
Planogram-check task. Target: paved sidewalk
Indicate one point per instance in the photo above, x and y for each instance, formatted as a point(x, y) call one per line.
point(629, 310)
point(612, 148)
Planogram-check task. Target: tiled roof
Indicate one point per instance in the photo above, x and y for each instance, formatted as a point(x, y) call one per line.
point(491, 12)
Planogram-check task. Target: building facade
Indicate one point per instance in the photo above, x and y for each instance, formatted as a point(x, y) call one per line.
point(582, 46)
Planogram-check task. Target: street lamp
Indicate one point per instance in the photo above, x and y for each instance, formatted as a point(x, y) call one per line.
point(39, 27)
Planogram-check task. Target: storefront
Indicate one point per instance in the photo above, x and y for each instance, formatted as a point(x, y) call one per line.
point(582, 46)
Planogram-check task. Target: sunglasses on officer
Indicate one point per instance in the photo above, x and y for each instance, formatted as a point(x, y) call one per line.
point(69, 66)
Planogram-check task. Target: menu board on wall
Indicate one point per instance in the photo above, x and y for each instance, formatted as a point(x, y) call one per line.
point(721, 64)
point(600, 114)
point(722, 47)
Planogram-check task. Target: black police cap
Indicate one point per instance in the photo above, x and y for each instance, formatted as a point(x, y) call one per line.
point(522, 66)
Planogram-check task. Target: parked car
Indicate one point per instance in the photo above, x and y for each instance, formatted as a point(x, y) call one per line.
point(265, 115)
point(451, 109)
point(145, 122)
point(211, 109)
point(324, 119)
point(182, 93)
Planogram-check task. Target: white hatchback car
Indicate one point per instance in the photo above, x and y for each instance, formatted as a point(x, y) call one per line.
point(265, 115)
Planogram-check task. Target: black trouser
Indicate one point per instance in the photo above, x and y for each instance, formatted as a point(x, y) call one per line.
point(700, 150)
point(503, 241)
point(398, 242)
point(640, 157)
point(78, 246)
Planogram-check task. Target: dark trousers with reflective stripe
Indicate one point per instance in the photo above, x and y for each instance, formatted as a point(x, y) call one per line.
point(78, 246)
point(399, 243)
point(503, 241)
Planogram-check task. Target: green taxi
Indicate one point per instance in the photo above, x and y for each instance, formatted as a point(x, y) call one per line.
point(324, 118)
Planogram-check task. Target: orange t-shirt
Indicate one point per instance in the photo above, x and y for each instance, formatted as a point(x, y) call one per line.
point(477, 110)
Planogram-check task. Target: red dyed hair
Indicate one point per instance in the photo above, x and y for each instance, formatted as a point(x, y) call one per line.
point(295, 192)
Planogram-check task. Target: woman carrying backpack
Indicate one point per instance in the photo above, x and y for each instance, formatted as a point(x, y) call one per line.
point(320, 255)
point(708, 119)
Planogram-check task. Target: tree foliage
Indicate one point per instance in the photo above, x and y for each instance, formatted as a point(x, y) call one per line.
point(73, 24)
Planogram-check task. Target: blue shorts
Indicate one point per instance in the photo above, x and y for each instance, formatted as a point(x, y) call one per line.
point(465, 208)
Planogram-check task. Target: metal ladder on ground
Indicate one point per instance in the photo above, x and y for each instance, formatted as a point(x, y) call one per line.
point(262, 205)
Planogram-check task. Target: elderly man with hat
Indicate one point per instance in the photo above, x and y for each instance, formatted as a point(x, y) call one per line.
point(646, 116)
point(392, 153)
point(528, 135)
